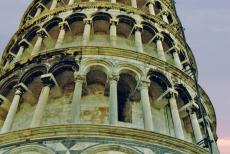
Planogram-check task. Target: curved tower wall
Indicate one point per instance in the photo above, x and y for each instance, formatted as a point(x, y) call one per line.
point(101, 77)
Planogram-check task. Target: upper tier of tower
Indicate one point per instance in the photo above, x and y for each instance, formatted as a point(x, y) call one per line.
point(156, 20)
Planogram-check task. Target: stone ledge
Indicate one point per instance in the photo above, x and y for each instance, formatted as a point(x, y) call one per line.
point(98, 132)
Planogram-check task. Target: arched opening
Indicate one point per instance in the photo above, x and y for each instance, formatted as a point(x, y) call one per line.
point(33, 82)
point(59, 104)
point(101, 29)
point(168, 45)
point(148, 36)
point(7, 91)
point(157, 7)
point(125, 33)
point(76, 25)
point(141, 4)
point(47, 3)
point(170, 18)
point(161, 115)
point(182, 99)
point(52, 28)
point(31, 36)
point(94, 103)
point(128, 98)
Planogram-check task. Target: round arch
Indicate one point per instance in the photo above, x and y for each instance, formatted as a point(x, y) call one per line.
point(111, 147)
point(37, 149)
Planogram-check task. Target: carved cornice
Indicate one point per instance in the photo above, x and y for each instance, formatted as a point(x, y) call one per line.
point(100, 132)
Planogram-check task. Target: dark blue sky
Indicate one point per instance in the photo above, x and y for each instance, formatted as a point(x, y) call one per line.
point(207, 29)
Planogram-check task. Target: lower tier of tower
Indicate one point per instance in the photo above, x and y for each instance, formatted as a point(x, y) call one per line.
point(93, 139)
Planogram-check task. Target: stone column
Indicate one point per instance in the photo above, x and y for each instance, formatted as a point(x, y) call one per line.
point(176, 59)
point(39, 11)
point(151, 7)
point(71, 2)
point(8, 61)
point(134, 3)
point(215, 149)
point(48, 81)
point(113, 31)
point(165, 17)
point(113, 105)
point(54, 4)
point(86, 33)
point(63, 26)
point(146, 107)
point(75, 116)
point(160, 49)
point(176, 117)
point(113, 1)
point(195, 126)
point(138, 39)
point(41, 35)
point(13, 109)
point(23, 44)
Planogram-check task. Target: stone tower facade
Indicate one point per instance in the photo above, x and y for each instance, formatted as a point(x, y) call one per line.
point(102, 77)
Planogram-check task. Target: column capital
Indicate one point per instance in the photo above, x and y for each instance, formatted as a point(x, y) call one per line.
point(79, 77)
point(114, 77)
point(21, 88)
point(138, 27)
point(145, 83)
point(164, 12)
point(159, 36)
point(49, 80)
point(40, 5)
point(24, 43)
point(113, 21)
point(63, 25)
point(171, 93)
point(42, 33)
point(87, 20)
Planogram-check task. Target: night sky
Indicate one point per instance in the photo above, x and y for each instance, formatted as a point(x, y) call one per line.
point(207, 30)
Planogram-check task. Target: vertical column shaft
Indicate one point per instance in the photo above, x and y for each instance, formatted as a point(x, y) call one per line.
point(37, 45)
point(54, 4)
point(160, 49)
point(113, 106)
point(6, 64)
point(138, 39)
point(42, 101)
point(151, 9)
point(19, 54)
point(134, 3)
point(12, 111)
point(86, 33)
point(176, 118)
point(177, 60)
point(165, 17)
point(38, 12)
point(196, 127)
point(215, 149)
point(61, 35)
point(76, 102)
point(146, 107)
point(113, 32)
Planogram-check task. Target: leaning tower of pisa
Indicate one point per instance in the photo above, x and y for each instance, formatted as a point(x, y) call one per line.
point(102, 77)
